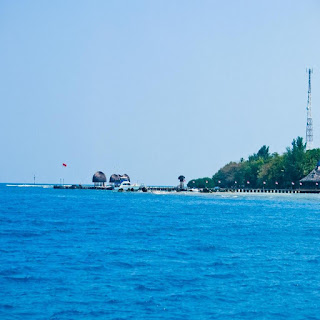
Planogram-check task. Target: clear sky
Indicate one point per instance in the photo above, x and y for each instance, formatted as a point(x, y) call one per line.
point(153, 89)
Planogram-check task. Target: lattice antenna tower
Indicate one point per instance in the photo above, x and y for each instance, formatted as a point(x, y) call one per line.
point(309, 129)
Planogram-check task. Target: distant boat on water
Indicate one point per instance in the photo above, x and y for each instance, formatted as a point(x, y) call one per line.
point(127, 186)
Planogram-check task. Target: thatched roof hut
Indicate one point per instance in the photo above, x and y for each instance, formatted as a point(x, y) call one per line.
point(99, 178)
point(118, 178)
point(114, 178)
point(181, 178)
point(313, 177)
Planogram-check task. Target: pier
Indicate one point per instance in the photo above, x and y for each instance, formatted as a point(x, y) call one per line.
point(205, 190)
point(166, 189)
point(248, 190)
point(142, 188)
point(79, 186)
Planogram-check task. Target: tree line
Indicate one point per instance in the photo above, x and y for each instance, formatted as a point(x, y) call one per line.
point(264, 170)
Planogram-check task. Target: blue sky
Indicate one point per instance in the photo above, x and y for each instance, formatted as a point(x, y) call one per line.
point(153, 89)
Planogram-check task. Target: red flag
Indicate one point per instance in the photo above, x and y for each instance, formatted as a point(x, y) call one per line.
point(64, 164)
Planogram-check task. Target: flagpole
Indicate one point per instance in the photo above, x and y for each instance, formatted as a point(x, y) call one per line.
point(64, 165)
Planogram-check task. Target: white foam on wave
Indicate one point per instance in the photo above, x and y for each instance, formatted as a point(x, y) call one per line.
point(30, 185)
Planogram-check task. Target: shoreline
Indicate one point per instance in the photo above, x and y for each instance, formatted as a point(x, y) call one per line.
point(175, 190)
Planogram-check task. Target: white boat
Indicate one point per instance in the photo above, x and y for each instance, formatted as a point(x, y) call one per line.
point(127, 186)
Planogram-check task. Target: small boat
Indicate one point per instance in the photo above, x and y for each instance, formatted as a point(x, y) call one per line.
point(127, 186)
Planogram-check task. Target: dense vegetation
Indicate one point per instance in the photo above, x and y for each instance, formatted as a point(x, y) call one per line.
point(263, 169)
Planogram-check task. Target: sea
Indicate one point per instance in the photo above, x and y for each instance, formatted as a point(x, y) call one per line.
point(94, 254)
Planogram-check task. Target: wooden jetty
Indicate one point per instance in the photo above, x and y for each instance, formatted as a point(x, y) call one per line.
point(79, 186)
point(205, 190)
point(263, 190)
point(142, 188)
point(166, 189)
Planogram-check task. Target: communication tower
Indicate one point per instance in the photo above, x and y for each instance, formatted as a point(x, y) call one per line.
point(309, 129)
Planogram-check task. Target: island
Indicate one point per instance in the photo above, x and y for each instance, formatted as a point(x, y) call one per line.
point(266, 170)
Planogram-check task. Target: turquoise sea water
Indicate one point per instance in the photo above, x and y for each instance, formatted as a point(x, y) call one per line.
point(88, 254)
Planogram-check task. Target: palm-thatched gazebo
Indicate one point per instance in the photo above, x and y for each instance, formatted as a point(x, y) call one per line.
point(117, 179)
point(312, 180)
point(99, 179)
point(181, 179)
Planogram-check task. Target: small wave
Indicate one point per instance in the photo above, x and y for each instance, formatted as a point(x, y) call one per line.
point(22, 234)
point(141, 287)
point(94, 267)
point(140, 251)
point(142, 264)
point(249, 314)
point(71, 312)
point(11, 271)
point(23, 279)
point(6, 306)
point(98, 313)
point(188, 295)
point(30, 185)
point(222, 264)
point(148, 302)
point(313, 261)
point(207, 248)
point(220, 276)
point(182, 253)
point(113, 301)
point(122, 264)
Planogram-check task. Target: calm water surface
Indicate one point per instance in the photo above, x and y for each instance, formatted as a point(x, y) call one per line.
point(87, 254)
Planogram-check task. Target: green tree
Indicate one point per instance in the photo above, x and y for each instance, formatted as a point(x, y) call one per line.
point(227, 175)
point(263, 153)
point(272, 172)
point(311, 159)
point(205, 182)
point(262, 167)
point(294, 162)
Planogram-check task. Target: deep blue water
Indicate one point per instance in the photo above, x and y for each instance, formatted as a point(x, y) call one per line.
point(88, 254)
